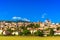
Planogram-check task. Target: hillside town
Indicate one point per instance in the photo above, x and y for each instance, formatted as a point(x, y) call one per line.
point(29, 28)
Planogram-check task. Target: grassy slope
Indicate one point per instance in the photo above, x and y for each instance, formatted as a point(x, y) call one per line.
point(27, 38)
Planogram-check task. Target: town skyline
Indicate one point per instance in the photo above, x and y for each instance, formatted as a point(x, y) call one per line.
point(30, 10)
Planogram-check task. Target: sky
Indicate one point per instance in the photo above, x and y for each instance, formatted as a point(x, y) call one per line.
point(30, 10)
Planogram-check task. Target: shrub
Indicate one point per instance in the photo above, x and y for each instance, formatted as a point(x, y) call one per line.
point(10, 30)
point(20, 33)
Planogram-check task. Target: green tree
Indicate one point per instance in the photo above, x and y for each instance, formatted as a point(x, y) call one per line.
point(51, 32)
point(58, 28)
point(23, 27)
point(31, 25)
point(26, 32)
point(37, 26)
point(39, 33)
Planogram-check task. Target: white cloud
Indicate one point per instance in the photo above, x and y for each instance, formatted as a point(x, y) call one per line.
point(25, 19)
point(16, 17)
point(20, 18)
point(43, 15)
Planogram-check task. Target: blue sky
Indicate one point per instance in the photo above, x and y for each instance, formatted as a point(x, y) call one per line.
point(33, 10)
